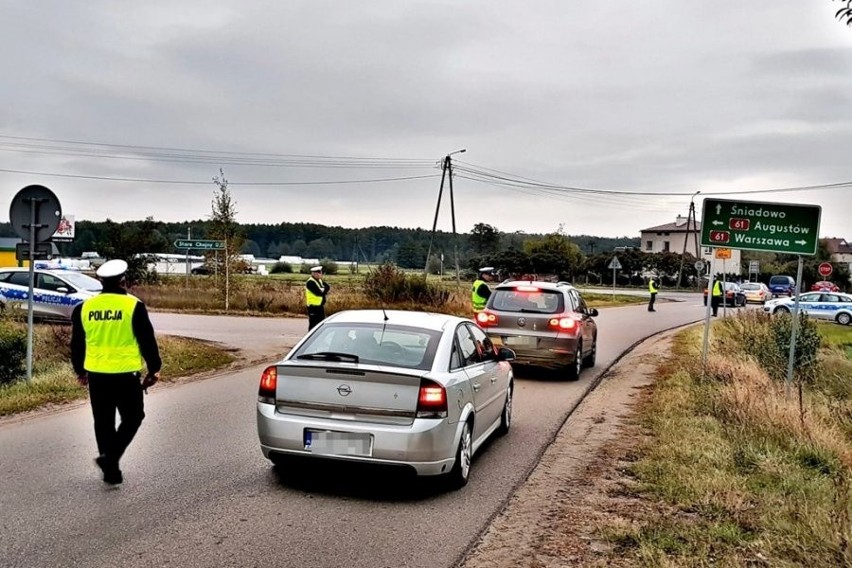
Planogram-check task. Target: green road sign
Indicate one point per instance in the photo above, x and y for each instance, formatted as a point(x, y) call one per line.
point(200, 244)
point(752, 225)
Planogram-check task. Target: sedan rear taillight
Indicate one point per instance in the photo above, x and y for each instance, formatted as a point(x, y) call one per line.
point(562, 324)
point(487, 319)
point(432, 400)
point(268, 384)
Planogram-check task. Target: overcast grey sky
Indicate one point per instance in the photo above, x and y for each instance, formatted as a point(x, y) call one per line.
point(660, 96)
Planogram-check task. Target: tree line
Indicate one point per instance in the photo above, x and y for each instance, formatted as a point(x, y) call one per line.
point(408, 248)
point(581, 258)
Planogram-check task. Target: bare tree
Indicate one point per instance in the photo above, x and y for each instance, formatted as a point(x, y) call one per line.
point(224, 227)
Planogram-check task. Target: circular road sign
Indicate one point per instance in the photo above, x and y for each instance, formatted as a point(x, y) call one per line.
point(47, 212)
point(825, 269)
point(699, 265)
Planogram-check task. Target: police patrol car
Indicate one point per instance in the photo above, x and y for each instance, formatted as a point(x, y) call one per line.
point(55, 292)
point(822, 305)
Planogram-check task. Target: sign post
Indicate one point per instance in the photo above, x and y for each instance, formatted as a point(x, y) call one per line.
point(753, 269)
point(771, 227)
point(35, 214)
point(614, 264)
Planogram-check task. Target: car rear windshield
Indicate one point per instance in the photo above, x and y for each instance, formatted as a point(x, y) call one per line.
point(748, 286)
point(374, 344)
point(530, 300)
point(780, 280)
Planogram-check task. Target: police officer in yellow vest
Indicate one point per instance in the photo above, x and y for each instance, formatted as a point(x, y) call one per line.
point(716, 297)
point(480, 292)
point(111, 334)
point(653, 288)
point(315, 294)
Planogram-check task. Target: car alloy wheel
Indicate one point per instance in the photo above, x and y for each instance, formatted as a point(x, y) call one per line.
point(575, 367)
point(782, 310)
point(844, 319)
point(460, 474)
point(506, 416)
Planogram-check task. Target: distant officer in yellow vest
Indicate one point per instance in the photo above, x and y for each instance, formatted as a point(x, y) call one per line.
point(315, 294)
point(480, 292)
point(653, 288)
point(111, 334)
point(716, 296)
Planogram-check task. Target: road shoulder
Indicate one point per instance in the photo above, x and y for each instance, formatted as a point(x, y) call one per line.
point(552, 518)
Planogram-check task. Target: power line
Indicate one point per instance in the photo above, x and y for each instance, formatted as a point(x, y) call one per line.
point(193, 182)
point(529, 182)
point(175, 155)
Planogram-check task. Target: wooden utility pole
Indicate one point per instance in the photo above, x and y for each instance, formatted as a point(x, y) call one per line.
point(690, 217)
point(446, 173)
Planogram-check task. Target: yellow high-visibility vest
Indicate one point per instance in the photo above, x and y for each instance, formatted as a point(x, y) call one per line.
point(477, 300)
point(717, 288)
point(652, 286)
point(311, 298)
point(111, 346)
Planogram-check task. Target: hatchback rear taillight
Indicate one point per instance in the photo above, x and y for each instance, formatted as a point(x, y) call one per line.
point(562, 324)
point(486, 319)
point(268, 384)
point(432, 400)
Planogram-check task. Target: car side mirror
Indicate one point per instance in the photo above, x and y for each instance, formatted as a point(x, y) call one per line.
point(505, 354)
point(594, 312)
point(63, 289)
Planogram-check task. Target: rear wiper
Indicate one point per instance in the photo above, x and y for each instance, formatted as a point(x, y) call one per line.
point(529, 311)
point(329, 356)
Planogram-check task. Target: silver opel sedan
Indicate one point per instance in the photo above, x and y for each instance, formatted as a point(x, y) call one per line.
point(419, 390)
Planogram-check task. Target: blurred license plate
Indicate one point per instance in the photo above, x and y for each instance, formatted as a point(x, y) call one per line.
point(520, 340)
point(338, 443)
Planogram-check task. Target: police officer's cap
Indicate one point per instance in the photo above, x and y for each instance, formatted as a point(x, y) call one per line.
point(486, 270)
point(112, 269)
point(316, 269)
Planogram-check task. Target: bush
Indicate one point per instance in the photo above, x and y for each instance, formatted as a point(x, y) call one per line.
point(281, 268)
point(807, 343)
point(766, 338)
point(329, 266)
point(389, 284)
point(13, 353)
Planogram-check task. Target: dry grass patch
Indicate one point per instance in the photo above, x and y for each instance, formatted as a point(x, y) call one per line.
point(739, 473)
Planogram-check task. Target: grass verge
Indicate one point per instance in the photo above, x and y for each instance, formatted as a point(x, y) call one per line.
point(733, 472)
point(54, 381)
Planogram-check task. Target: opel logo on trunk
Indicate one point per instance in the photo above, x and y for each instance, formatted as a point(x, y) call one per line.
point(344, 390)
point(522, 322)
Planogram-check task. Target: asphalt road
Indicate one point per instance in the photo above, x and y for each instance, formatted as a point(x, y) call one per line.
point(198, 492)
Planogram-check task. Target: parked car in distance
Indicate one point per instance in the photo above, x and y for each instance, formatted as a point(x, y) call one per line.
point(825, 286)
point(734, 296)
point(782, 285)
point(756, 292)
point(55, 292)
point(416, 390)
point(823, 305)
point(546, 324)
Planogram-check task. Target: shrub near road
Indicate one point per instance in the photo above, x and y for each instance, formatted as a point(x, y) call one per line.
point(385, 286)
point(736, 473)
